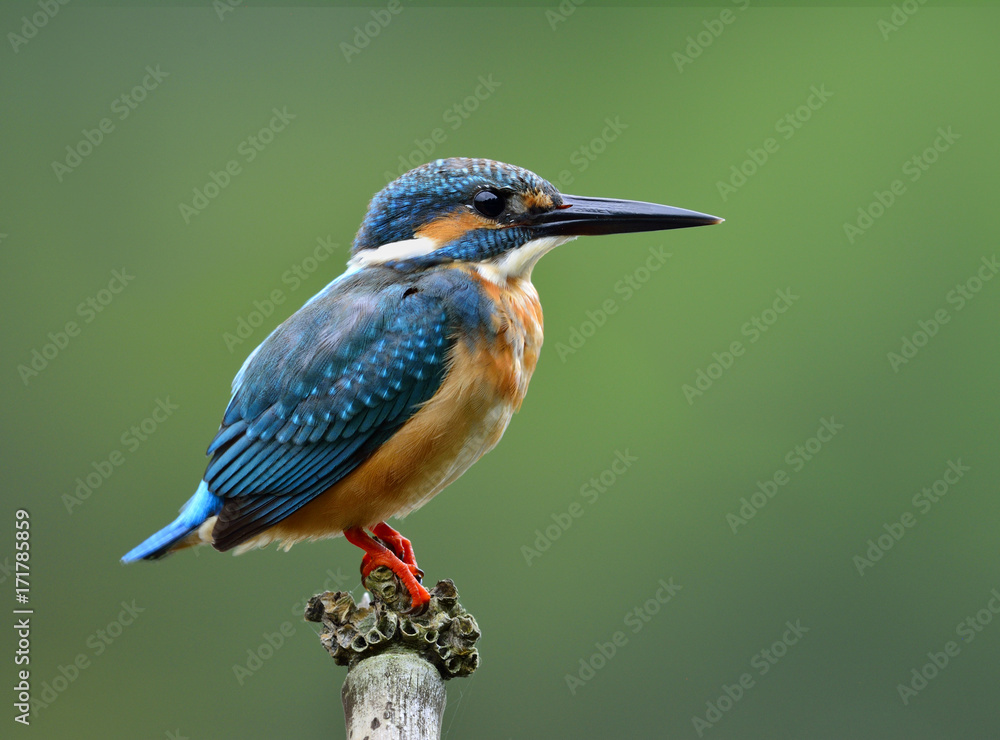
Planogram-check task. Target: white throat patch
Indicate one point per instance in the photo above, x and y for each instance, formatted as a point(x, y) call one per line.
point(517, 263)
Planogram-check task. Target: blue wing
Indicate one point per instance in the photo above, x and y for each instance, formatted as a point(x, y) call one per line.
point(319, 395)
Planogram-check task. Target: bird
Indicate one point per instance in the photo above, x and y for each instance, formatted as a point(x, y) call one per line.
point(388, 384)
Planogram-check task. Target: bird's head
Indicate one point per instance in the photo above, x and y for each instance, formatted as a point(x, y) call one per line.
point(482, 211)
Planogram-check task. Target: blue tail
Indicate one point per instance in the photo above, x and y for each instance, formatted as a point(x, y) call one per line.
point(201, 506)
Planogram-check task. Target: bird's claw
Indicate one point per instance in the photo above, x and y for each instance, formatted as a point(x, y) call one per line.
point(391, 549)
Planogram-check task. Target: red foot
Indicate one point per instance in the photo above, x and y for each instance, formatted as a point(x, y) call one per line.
point(400, 562)
point(399, 545)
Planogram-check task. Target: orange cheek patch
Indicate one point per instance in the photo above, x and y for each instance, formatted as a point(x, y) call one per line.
point(537, 200)
point(451, 227)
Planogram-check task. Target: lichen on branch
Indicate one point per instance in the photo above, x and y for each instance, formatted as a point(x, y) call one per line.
point(445, 634)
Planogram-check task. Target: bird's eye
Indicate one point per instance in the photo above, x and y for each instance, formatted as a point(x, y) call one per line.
point(489, 203)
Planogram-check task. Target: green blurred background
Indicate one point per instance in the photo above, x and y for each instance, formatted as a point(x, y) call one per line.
point(555, 79)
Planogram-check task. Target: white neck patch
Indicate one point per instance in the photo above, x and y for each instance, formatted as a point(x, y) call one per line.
point(393, 251)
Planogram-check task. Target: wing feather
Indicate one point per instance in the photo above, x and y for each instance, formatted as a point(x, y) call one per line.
point(325, 390)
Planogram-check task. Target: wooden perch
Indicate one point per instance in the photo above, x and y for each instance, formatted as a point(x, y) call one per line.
point(397, 662)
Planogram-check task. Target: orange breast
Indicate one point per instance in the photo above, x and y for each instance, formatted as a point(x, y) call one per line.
point(485, 384)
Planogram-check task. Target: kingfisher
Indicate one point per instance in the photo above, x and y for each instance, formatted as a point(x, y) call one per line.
point(396, 377)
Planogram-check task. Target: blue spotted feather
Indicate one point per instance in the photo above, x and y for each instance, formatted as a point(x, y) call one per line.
point(322, 393)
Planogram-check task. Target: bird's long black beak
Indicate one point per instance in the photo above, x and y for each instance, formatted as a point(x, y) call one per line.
point(583, 216)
